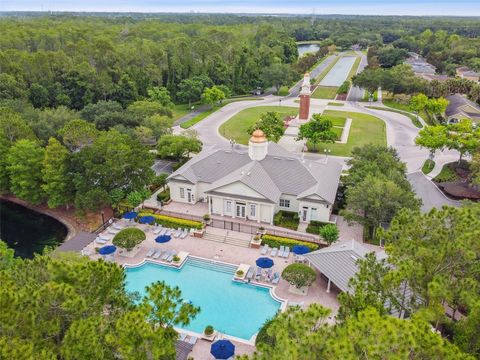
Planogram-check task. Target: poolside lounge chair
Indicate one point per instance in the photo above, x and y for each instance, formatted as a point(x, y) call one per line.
point(165, 255)
point(157, 254)
point(268, 275)
point(281, 251)
point(177, 233)
point(162, 231)
point(172, 254)
point(273, 253)
point(276, 278)
point(117, 226)
point(100, 241)
point(157, 230)
point(286, 252)
point(264, 249)
point(182, 336)
point(258, 275)
point(250, 273)
point(105, 237)
point(150, 253)
point(184, 234)
point(169, 232)
point(192, 340)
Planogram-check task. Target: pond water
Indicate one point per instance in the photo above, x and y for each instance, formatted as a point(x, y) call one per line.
point(307, 48)
point(28, 232)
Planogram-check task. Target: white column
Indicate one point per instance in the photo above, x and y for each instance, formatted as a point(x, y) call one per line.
point(328, 286)
point(223, 206)
point(209, 200)
point(234, 208)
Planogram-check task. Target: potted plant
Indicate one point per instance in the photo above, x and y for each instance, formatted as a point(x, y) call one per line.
point(176, 259)
point(206, 219)
point(209, 332)
point(240, 273)
point(256, 242)
point(300, 277)
point(261, 230)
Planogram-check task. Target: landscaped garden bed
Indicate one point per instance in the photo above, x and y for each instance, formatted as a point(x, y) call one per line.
point(286, 219)
point(315, 226)
point(128, 238)
point(455, 181)
point(173, 222)
point(277, 241)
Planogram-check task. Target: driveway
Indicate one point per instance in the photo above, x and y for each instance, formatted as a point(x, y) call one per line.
point(431, 196)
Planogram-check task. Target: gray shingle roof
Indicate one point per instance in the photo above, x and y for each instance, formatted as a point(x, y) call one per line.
point(456, 102)
point(280, 172)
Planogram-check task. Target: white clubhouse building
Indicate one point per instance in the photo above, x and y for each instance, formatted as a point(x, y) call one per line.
point(255, 185)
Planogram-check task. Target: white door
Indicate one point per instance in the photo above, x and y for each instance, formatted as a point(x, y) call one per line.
point(304, 213)
point(189, 196)
point(240, 210)
point(313, 214)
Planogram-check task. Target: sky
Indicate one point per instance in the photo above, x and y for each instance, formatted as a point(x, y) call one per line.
point(352, 7)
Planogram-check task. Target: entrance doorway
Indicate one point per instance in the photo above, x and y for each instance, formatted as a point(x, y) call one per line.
point(240, 210)
point(304, 213)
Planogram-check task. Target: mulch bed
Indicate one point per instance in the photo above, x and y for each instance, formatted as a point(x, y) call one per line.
point(342, 97)
point(459, 190)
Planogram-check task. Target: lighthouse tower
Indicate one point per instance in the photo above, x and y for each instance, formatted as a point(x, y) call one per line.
point(305, 98)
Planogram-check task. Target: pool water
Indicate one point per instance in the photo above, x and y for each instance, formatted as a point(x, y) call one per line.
point(232, 308)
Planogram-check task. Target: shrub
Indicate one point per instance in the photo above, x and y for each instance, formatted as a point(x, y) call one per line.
point(447, 174)
point(173, 222)
point(277, 241)
point(129, 238)
point(240, 273)
point(315, 226)
point(164, 195)
point(206, 217)
point(299, 275)
point(428, 166)
point(286, 219)
point(343, 89)
point(283, 91)
point(176, 258)
point(208, 330)
point(329, 233)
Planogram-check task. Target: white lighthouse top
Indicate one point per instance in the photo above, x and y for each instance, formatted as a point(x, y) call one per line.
point(306, 85)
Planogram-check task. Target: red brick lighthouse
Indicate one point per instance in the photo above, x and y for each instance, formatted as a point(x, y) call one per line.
point(305, 98)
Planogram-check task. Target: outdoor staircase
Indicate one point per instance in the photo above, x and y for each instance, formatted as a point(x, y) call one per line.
point(212, 265)
point(226, 239)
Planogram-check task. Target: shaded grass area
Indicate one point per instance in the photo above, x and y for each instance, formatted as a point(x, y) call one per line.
point(412, 117)
point(448, 173)
point(428, 166)
point(204, 114)
point(180, 110)
point(237, 126)
point(365, 129)
point(325, 92)
point(335, 104)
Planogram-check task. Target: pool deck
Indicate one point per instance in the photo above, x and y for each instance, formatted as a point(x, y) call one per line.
point(230, 254)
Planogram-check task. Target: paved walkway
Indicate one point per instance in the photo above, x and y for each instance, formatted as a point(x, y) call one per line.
point(197, 111)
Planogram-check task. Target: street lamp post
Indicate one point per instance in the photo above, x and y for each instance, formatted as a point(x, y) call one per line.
point(326, 151)
point(279, 102)
point(232, 143)
point(103, 217)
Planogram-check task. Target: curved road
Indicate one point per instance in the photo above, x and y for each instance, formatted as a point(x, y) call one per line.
point(400, 135)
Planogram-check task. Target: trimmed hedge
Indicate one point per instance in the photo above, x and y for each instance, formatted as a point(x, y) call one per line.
point(277, 241)
point(315, 226)
point(173, 222)
point(164, 195)
point(128, 238)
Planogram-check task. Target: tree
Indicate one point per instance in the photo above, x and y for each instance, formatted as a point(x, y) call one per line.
point(390, 56)
point(38, 96)
point(144, 134)
point(463, 137)
point(77, 134)
point(128, 238)
point(433, 138)
point(136, 198)
point(160, 125)
point(370, 79)
point(161, 95)
point(56, 178)
point(271, 124)
point(375, 200)
point(436, 106)
point(140, 110)
point(24, 166)
point(125, 92)
point(318, 129)
point(475, 168)
point(418, 102)
point(212, 95)
point(177, 147)
point(436, 254)
point(299, 275)
point(329, 233)
point(277, 75)
point(190, 90)
point(49, 121)
point(54, 307)
point(10, 88)
point(13, 127)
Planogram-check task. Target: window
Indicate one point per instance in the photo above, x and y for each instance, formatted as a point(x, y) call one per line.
point(285, 203)
point(182, 193)
point(253, 210)
point(228, 207)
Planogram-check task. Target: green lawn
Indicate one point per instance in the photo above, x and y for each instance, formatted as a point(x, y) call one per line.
point(412, 117)
point(180, 110)
point(325, 92)
point(336, 120)
point(396, 105)
point(237, 126)
point(204, 114)
point(365, 129)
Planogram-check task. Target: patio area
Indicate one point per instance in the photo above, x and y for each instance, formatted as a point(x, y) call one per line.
point(225, 253)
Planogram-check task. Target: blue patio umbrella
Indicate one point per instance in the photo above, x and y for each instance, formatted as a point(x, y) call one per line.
point(264, 262)
point(222, 349)
point(146, 219)
point(301, 249)
point(130, 215)
point(163, 238)
point(107, 250)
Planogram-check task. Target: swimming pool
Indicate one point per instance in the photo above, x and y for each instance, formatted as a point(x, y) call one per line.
point(233, 308)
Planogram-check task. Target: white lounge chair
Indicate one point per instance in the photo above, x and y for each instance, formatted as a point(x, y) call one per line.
point(268, 275)
point(157, 254)
point(105, 237)
point(286, 253)
point(100, 241)
point(273, 253)
point(192, 340)
point(157, 230)
point(169, 232)
point(276, 278)
point(165, 255)
point(172, 254)
point(117, 226)
point(184, 234)
point(177, 233)
point(150, 253)
point(281, 251)
point(250, 273)
point(264, 249)
point(182, 336)
point(258, 275)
